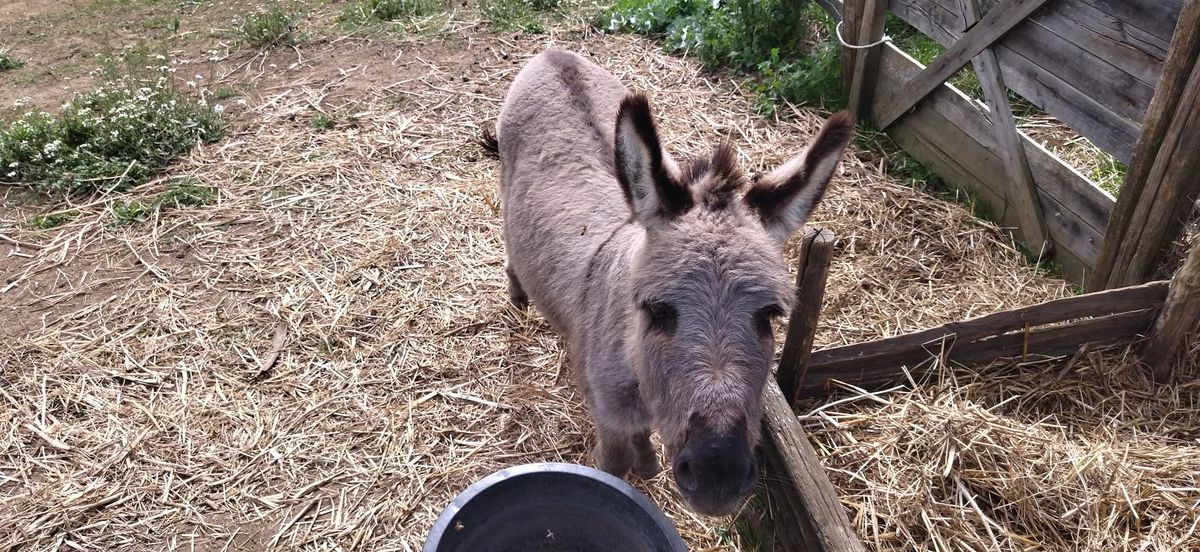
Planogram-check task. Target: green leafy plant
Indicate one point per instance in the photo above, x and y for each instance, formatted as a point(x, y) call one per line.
point(768, 39)
point(109, 139)
point(273, 27)
point(8, 63)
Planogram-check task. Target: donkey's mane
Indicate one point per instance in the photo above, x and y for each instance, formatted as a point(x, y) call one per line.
point(715, 179)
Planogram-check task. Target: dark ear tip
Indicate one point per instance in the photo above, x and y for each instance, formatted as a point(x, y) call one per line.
point(839, 127)
point(635, 105)
point(841, 119)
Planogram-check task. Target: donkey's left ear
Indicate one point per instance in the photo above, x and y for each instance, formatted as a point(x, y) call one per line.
point(643, 168)
point(786, 196)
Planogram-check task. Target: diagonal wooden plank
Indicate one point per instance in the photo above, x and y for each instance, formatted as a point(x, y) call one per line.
point(1021, 190)
point(1001, 19)
point(1121, 240)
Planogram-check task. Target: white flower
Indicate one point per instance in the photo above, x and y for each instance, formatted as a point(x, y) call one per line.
point(191, 84)
point(12, 174)
point(218, 109)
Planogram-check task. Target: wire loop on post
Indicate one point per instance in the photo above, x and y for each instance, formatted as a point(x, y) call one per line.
point(838, 30)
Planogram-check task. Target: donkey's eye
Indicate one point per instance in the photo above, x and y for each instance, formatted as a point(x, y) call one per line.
point(662, 317)
point(763, 318)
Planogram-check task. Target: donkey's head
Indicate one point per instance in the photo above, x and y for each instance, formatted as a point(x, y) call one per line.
point(706, 284)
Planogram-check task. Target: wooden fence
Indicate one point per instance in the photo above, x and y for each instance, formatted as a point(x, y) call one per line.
point(802, 511)
point(1096, 65)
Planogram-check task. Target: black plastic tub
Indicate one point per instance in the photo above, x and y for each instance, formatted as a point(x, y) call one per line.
point(559, 507)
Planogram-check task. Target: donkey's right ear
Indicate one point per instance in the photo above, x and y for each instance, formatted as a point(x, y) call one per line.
point(653, 193)
point(787, 195)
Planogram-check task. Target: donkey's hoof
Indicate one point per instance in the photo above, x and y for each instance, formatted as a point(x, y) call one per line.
point(647, 469)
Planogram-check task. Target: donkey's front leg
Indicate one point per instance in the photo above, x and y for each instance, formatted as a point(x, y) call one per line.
point(516, 293)
point(615, 453)
point(646, 464)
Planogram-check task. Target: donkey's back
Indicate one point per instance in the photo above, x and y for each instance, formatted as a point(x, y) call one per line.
point(560, 197)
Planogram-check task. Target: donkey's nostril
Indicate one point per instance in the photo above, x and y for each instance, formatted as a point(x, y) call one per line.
point(685, 476)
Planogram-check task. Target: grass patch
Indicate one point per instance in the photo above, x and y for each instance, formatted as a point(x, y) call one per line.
point(109, 139)
point(273, 27)
point(9, 63)
point(364, 11)
point(224, 93)
point(925, 50)
point(321, 121)
point(53, 220)
point(1108, 173)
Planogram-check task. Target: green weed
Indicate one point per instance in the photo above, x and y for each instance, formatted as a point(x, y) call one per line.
point(53, 220)
point(321, 121)
point(768, 39)
point(389, 10)
point(270, 28)
point(8, 63)
point(187, 194)
point(109, 139)
point(517, 15)
point(180, 194)
point(224, 93)
point(127, 213)
point(1108, 173)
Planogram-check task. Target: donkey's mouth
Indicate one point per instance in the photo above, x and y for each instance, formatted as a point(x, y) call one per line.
point(718, 498)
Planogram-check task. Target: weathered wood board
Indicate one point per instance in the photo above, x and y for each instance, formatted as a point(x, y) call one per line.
point(1091, 63)
point(1053, 328)
point(950, 133)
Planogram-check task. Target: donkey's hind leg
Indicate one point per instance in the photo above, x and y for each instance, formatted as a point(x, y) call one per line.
point(516, 293)
point(615, 453)
point(646, 464)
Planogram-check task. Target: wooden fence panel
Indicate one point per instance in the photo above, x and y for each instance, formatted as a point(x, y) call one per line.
point(1091, 63)
point(949, 132)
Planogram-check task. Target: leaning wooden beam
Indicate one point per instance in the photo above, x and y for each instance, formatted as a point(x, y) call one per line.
point(863, 25)
point(1176, 325)
point(812, 271)
point(1110, 317)
point(1136, 204)
point(1021, 190)
point(813, 519)
point(1001, 19)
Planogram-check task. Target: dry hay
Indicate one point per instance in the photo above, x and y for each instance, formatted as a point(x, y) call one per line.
point(1079, 454)
point(325, 357)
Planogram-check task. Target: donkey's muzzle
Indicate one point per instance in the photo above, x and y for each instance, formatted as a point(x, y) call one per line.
point(715, 471)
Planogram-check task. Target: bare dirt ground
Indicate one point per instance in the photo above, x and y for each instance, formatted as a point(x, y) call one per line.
point(325, 356)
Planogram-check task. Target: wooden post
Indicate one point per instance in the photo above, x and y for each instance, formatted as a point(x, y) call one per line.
point(811, 274)
point(805, 507)
point(1161, 174)
point(1176, 324)
point(862, 23)
point(1021, 190)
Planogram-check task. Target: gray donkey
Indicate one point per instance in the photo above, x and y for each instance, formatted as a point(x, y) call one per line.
point(663, 278)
